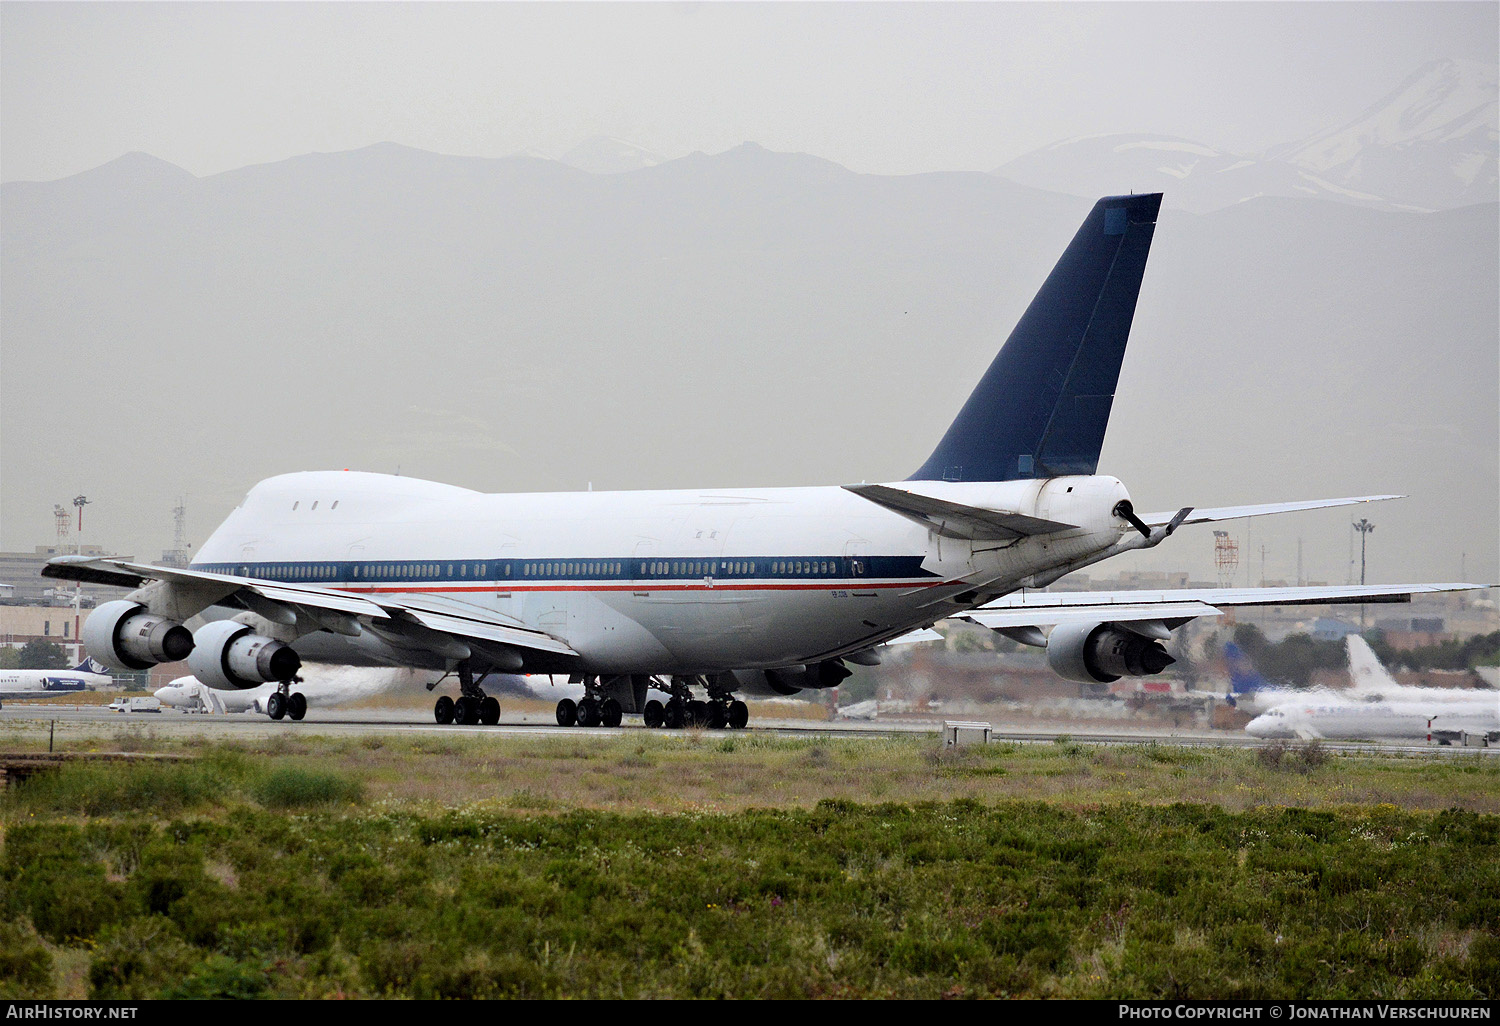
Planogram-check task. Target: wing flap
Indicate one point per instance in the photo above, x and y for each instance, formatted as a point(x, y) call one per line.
point(466, 627)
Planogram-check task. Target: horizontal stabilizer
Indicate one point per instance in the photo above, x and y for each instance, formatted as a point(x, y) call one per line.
point(954, 519)
point(1206, 516)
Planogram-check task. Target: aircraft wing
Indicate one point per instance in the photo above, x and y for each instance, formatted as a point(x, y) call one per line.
point(1205, 516)
point(1045, 609)
point(912, 637)
point(330, 608)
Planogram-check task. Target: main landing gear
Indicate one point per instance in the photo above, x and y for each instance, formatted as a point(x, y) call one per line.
point(680, 710)
point(473, 705)
point(285, 702)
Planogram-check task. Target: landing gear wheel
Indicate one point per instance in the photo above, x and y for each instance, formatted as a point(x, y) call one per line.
point(466, 711)
point(442, 710)
point(718, 716)
point(296, 705)
point(276, 706)
point(567, 713)
point(739, 715)
point(489, 711)
point(610, 713)
point(588, 713)
point(697, 713)
point(675, 714)
point(654, 714)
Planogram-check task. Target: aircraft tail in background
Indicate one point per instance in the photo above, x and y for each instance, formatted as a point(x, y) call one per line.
point(1244, 678)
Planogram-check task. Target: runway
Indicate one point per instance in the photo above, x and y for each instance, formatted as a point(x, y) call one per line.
point(70, 724)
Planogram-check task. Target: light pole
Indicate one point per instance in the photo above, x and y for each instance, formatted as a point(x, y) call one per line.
point(1364, 527)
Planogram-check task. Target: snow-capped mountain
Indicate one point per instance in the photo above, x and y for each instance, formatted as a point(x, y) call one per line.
point(1432, 141)
point(601, 155)
point(1430, 144)
point(1193, 176)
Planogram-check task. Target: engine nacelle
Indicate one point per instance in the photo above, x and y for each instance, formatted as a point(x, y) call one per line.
point(230, 656)
point(1102, 653)
point(124, 636)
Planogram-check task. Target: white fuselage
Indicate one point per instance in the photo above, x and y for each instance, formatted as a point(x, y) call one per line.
point(655, 581)
point(42, 683)
point(1353, 718)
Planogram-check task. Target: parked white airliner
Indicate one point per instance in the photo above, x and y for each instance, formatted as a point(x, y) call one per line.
point(23, 684)
point(717, 591)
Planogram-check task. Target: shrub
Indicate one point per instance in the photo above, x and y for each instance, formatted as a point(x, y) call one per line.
point(290, 787)
point(25, 964)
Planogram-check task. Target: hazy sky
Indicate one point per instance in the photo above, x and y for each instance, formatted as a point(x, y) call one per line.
point(883, 88)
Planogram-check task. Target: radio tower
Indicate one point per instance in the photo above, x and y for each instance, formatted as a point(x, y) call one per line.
point(1226, 557)
point(64, 518)
point(177, 555)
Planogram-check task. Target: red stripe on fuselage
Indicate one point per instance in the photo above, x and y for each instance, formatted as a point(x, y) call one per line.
point(507, 588)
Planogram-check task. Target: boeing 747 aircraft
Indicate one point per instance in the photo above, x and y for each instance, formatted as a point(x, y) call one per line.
point(719, 592)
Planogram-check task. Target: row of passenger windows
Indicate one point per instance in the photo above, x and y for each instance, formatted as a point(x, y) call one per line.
point(553, 570)
point(407, 571)
point(569, 569)
point(311, 572)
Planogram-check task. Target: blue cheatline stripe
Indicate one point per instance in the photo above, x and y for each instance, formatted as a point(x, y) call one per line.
point(845, 569)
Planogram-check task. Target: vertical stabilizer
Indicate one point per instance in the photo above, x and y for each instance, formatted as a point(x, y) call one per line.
point(1042, 407)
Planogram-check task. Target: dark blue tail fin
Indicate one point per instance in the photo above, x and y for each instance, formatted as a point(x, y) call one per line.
point(1042, 407)
point(1243, 677)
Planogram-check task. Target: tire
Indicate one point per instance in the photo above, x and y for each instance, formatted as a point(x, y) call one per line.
point(489, 711)
point(296, 705)
point(654, 714)
point(567, 713)
point(697, 713)
point(674, 714)
point(464, 712)
point(739, 715)
point(276, 706)
point(442, 711)
point(718, 716)
point(588, 713)
point(610, 713)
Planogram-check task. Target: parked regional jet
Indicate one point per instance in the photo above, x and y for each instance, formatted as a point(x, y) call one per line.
point(191, 695)
point(187, 694)
point(721, 592)
point(22, 684)
point(1327, 716)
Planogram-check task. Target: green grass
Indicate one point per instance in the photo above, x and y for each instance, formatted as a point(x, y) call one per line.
point(594, 868)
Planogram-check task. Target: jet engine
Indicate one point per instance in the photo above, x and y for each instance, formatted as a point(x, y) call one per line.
point(230, 656)
point(124, 636)
point(1102, 653)
point(789, 680)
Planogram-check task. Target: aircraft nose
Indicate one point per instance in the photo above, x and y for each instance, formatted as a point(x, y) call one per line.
point(1259, 727)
